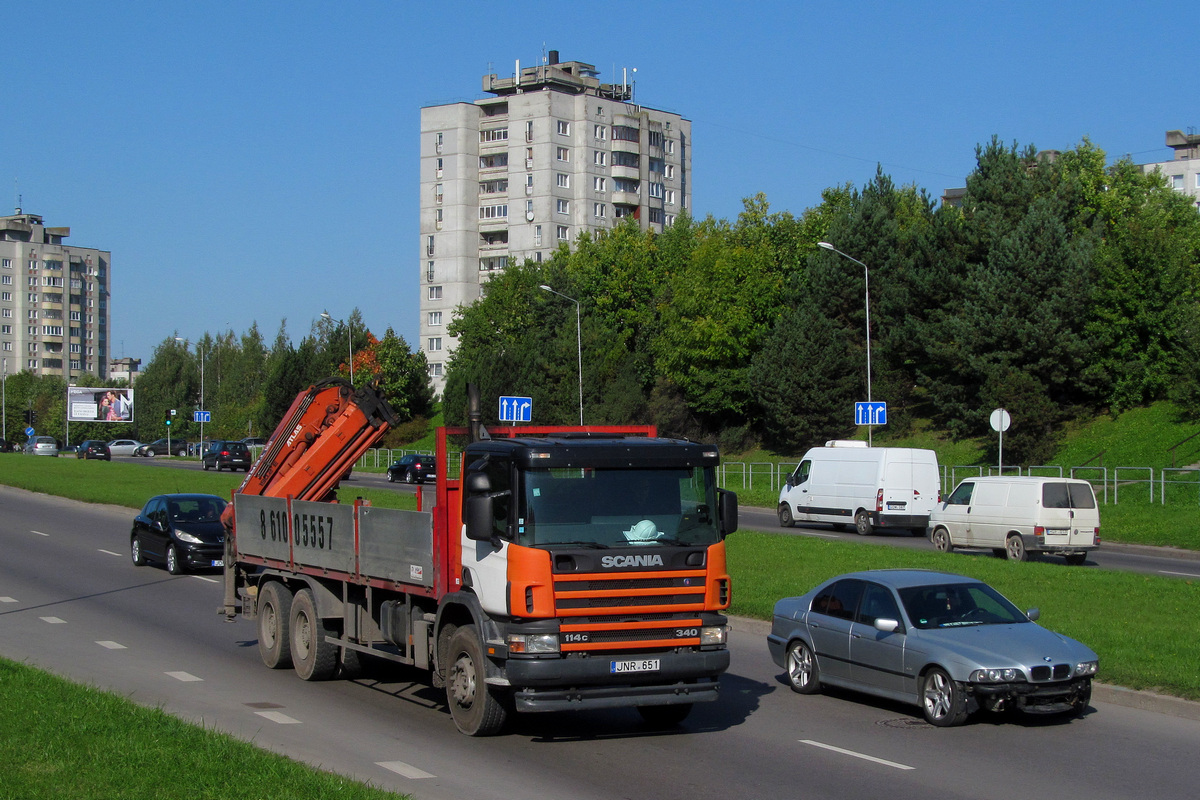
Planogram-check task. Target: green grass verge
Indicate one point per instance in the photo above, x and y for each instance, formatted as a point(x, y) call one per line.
point(1141, 625)
point(59, 739)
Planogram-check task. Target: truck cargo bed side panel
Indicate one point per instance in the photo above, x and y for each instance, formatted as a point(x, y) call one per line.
point(396, 545)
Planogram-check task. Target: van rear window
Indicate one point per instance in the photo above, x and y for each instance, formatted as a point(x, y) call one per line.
point(1067, 495)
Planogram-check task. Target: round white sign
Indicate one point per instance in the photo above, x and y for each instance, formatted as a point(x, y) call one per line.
point(1000, 420)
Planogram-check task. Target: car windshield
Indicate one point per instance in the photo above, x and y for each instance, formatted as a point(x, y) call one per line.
point(958, 605)
point(195, 509)
point(618, 507)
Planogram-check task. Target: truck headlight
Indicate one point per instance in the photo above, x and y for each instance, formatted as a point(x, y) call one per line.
point(713, 634)
point(533, 643)
point(1086, 668)
point(1007, 675)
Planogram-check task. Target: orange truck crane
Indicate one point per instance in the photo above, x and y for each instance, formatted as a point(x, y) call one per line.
point(559, 568)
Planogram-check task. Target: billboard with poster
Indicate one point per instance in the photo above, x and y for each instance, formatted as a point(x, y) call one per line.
point(99, 405)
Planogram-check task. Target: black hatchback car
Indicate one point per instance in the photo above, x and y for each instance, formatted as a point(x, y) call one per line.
point(413, 469)
point(93, 448)
point(226, 455)
point(184, 531)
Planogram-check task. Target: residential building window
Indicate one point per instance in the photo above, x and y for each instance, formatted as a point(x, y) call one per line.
point(438, 218)
point(656, 189)
point(537, 235)
point(493, 264)
point(670, 197)
point(438, 193)
point(493, 212)
point(33, 314)
point(600, 132)
point(670, 174)
point(6, 313)
point(6, 296)
point(32, 280)
point(600, 158)
point(428, 245)
point(435, 370)
point(493, 187)
point(33, 347)
point(670, 146)
point(564, 233)
point(1177, 182)
point(429, 270)
point(76, 316)
point(625, 185)
point(435, 293)
point(529, 131)
point(654, 164)
point(33, 297)
point(7, 263)
point(438, 140)
point(31, 363)
point(563, 128)
point(494, 161)
point(656, 139)
point(562, 180)
point(562, 206)
point(438, 169)
point(622, 159)
point(6, 329)
point(670, 220)
point(562, 153)
point(493, 135)
point(599, 183)
point(52, 330)
point(624, 133)
point(598, 210)
point(435, 344)
point(6, 280)
point(656, 215)
point(529, 210)
point(435, 318)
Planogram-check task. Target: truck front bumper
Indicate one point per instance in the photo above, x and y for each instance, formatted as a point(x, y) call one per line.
point(559, 684)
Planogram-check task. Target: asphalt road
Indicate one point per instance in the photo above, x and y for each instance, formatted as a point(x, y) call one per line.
point(71, 602)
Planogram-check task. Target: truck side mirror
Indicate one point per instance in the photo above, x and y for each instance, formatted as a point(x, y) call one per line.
point(478, 516)
point(478, 483)
point(727, 507)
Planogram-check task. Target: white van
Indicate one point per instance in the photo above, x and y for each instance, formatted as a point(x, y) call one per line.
point(846, 482)
point(1017, 516)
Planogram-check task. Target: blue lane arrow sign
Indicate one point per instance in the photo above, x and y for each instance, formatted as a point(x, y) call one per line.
point(874, 413)
point(516, 409)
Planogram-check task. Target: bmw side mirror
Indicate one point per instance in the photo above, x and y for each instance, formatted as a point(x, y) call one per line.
point(886, 625)
point(1033, 614)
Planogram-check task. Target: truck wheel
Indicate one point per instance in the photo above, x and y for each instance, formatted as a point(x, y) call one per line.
point(274, 624)
point(1014, 546)
point(474, 707)
point(862, 523)
point(665, 716)
point(785, 517)
point(314, 658)
point(941, 540)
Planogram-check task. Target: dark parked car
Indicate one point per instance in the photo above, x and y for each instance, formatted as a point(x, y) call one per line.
point(946, 643)
point(413, 469)
point(226, 455)
point(182, 530)
point(93, 448)
point(161, 447)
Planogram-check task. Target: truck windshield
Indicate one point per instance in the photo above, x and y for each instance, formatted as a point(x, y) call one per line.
point(618, 507)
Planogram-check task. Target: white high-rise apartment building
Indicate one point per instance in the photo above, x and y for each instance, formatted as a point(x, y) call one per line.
point(1183, 172)
point(553, 153)
point(54, 314)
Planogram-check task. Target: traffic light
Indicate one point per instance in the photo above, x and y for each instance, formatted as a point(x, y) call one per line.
point(30, 416)
point(168, 418)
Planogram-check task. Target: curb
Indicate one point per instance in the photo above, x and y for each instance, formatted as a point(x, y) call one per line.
point(1101, 692)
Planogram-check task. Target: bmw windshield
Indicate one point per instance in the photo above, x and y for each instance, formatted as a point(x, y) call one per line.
point(958, 605)
point(618, 507)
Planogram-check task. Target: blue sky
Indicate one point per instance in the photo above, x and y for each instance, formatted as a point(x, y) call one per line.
point(257, 161)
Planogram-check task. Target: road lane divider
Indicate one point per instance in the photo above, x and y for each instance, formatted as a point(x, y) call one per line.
point(855, 754)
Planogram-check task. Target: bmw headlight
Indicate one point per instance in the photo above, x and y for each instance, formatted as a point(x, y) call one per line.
point(1007, 675)
point(1086, 668)
point(712, 634)
point(189, 538)
point(533, 643)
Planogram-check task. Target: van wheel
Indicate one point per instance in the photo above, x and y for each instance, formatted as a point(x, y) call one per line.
point(785, 516)
point(1014, 547)
point(862, 523)
point(941, 540)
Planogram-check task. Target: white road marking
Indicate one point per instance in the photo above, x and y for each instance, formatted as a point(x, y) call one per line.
point(275, 716)
point(822, 535)
point(1182, 574)
point(202, 578)
point(39, 533)
point(53, 620)
point(113, 645)
point(406, 770)
point(111, 553)
point(186, 677)
point(8, 599)
point(863, 756)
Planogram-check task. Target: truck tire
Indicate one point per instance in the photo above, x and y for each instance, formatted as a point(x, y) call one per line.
point(314, 658)
point(665, 716)
point(274, 625)
point(474, 707)
point(862, 523)
point(785, 516)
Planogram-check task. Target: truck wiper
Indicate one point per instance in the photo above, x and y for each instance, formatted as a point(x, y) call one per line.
point(590, 545)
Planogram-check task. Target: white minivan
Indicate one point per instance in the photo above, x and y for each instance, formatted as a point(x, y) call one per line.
point(847, 482)
point(1015, 516)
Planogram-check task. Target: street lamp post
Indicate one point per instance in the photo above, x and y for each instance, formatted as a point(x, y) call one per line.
point(349, 340)
point(578, 345)
point(4, 413)
point(200, 352)
point(867, 297)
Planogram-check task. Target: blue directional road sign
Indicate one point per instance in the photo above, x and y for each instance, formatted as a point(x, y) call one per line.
point(30, 431)
point(870, 413)
point(201, 416)
point(516, 409)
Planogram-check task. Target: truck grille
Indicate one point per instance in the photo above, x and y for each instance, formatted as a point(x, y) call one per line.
point(647, 610)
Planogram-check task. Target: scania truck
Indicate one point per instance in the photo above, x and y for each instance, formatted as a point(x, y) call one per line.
point(559, 567)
